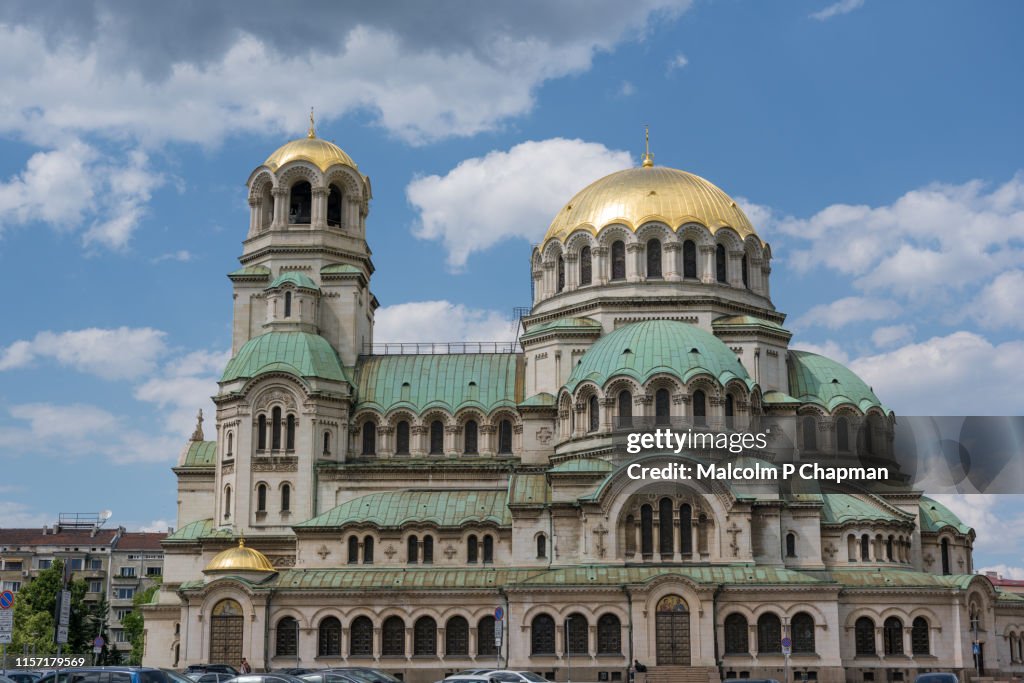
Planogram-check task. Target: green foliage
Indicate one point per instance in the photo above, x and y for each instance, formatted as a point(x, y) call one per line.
point(98, 622)
point(134, 623)
point(34, 608)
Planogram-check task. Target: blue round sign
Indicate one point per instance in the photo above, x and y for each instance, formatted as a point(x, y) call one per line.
point(6, 599)
point(786, 642)
point(499, 614)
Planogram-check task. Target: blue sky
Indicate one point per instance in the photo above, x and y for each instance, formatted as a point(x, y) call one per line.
point(876, 145)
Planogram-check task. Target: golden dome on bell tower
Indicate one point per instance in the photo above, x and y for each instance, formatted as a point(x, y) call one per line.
point(321, 153)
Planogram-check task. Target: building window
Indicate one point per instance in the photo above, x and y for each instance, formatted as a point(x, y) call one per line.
point(843, 434)
point(646, 530)
point(864, 636)
point(586, 266)
point(456, 637)
point(334, 206)
point(117, 635)
point(227, 502)
point(737, 635)
point(46, 564)
point(505, 437)
point(810, 433)
point(329, 638)
point(944, 548)
point(353, 549)
point(720, 263)
point(653, 259)
point(402, 438)
point(561, 274)
point(231, 445)
point(361, 638)
point(124, 593)
point(594, 414)
point(287, 304)
point(95, 586)
point(542, 546)
point(290, 434)
point(286, 498)
point(666, 531)
point(327, 443)
point(436, 437)
point(889, 548)
point(428, 550)
point(865, 548)
point(769, 634)
point(802, 630)
point(791, 545)
point(424, 637)
point(393, 637)
point(730, 410)
point(287, 637)
point(412, 550)
point(700, 408)
point(93, 564)
point(685, 529)
point(261, 498)
point(275, 429)
point(618, 260)
point(576, 635)
point(470, 432)
point(369, 438)
point(919, 644)
point(485, 637)
point(662, 409)
point(689, 259)
point(471, 550)
point(609, 635)
point(488, 549)
point(625, 409)
point(744, 272)
point(542, 634)
point(154, 571)
point(368, 550)
point(301, 203)
point(892, 636)
point(128, 572)
point(261, 433)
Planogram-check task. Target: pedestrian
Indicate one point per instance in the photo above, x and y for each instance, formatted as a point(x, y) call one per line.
point(246, 669)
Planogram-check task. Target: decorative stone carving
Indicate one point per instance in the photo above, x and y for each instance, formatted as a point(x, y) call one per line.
point(600, 531)
point(323, 551)
point(450, 551)
point(275, 396)
point(734, 531)
point(390, 552)
point(544, 435)
point(275, 465)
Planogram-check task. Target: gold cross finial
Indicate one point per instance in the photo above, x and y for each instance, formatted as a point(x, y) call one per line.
point(648, 158)
point(312, 125)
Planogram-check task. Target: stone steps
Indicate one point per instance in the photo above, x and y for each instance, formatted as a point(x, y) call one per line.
point(682, 674)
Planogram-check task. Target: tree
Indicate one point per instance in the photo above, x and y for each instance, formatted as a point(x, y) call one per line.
point(98, 623)
point(135, 623)
point(34, 607)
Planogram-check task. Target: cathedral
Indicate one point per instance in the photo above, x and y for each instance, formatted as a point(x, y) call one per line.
point(427, 509)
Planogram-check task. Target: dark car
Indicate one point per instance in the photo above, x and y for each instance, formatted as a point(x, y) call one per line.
point(295, 671)
point(937, 677)
point(107, 674)
point(750, 680)
point(371, 675)
point(24, 676)
point(211, 669)
point(331, 677)
point(210, 677)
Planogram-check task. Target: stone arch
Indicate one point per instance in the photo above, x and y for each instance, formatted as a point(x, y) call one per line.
point(613, 232)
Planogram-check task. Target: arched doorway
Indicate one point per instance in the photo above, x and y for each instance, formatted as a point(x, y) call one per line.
point(672, 632)
point(226, 633)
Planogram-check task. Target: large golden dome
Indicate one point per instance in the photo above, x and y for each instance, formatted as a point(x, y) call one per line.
point(240, 559)
point(649, 193)
point(320, 153)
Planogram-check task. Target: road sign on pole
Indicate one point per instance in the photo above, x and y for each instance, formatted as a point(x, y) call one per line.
point(97, 645)
point(499, 614)
point(6, 626)
point(6, 600)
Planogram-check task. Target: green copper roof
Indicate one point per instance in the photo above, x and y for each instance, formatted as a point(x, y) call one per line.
point(541, 400)
point(899, 578)
point(935, 516)
point(297, 353)
point(449, 381)
point(840, 508)
point(295, 278)
point(202, 528)
point(642, 350)
point(595, 465)
point(201, 454)
point(340, 269)
point(584, 325)
point(528, 489)
point(820, 380)
point(251, 271)
point(779, 398)
point(392, 509)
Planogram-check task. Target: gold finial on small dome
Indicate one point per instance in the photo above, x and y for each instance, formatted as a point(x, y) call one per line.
point(312, 125)
point(648, 158)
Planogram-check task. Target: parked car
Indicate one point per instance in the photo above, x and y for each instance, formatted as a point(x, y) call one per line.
point(175, 677)
point(107, 674)
point(468, 678)
point(750, 680)
point(295, 671)
point(210, 677)
point(506, 676)
point(473, 672)
point(24, 676)
point(5, 679)
point(371, 675)
point(266, 678)
point(936, 677)
point(198, 669)
point(331, 676)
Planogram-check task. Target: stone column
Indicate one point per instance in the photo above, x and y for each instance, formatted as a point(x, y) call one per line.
point(634, 269)
point(559, 639)
point(707, 257)
point(677, 548)
point(550, 278)
point(638, 531)
point(377, 643)
point(670, 258)
point(451, 441)
point(765, 272)
point(607, 408)
point(907, 646)
point(254, 216)
point(280, 195)
point(599, 274)
point(734, 269)
point(572, 271)
point(487, 445)
point(408, 642)
point(580, 426)
point(418, 436)
point(756, 276)
point(473, 648)
point(538, 285)
point(694, 537)
point(318, 213)
point(879, 642)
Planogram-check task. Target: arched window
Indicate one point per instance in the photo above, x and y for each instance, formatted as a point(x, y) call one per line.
point(505, 437)
point(802, 631)
point(327, 443)
point(329, 638)
point(944, 548)
point(864, 636)
point(286, 497)
point(685, 529)
point(737, 635)
point(287, 304)
point(428, 550)
point(892, 636)
point(334, 197)
point(424, 637)
point(700, 408)
point(662, 409)
point(231, 445)
point(412, 546)
point(361, 638)
point(889, 549)
point(456, 637)
point(730, 410)
point(743, 271)
point(289, 441)
point(646, 530)
point(790, 545)
point(402, 438)
point(625, 409)
point(227, 501)
point(436, 437)
point(485, 637)
point(300, 205)
point(275, 429)
point(261, 433)
point(865, 548)
point(653, 258)
point(618, 260)
point(261, 498)
point(720, 274)
point(919, 640)
point(593, 414)
point(666, 531)
point(368, 550)
point(472, 550)
point(542, 546)
point(369, 438)
point(542, 635)
point(353, 550)
point(393, 637)
point(769, 634)
point(488, 549)
point(843, 434)
point(810, 433)
point(470, 438)
point(609, 635)
point(586, 266)
point(287, 637)
point(561, 274)
point(576, 634)
point(689, 259)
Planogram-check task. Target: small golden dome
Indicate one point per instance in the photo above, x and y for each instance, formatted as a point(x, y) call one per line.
point(320, 153)
point(650, 193)
point(240, 559)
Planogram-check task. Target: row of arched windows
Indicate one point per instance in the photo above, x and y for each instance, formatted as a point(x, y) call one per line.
point(577, 635)
point(435, 441)
point(892, 636)
point(285, 497)
point(769, 634)
point(392, 635)
point(667, 545)
point(894, 548)
point(274, 429)
point(421, 550)
point(300, 204)
point(809, 434)
point(662, 409)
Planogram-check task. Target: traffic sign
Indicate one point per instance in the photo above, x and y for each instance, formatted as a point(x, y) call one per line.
point(62, 635)
point(499, 614)
point(6, 621)
point(97, 645)
point(498, 632)
point(787, 646)
point(976, 648)
point(65, 609)
point(6, 599)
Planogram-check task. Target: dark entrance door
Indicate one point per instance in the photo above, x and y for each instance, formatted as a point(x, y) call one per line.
point(672, 632)
point(226, 633)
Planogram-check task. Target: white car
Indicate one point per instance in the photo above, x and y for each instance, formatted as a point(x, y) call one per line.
point(505, 676)
point(483, 677)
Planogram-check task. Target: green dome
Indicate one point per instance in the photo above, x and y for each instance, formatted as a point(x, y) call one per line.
point(648, 348)
point(295, 278)
point(297, 353)
point(935, 517)
point(823, 381)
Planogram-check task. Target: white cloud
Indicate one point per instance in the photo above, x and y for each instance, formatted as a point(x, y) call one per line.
point(506, 194)
point(440, 321)
point(1001, 302)
point(837, 8)
point(848, 310)
point(185, 386)
point(678, 62)
point(892, 335)
point(829, 349)
point(121, 353)
point(157, 526)
point(19, 516)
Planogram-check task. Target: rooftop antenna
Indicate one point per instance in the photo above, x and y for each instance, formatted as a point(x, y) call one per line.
point(648, 158)
point(312, 125)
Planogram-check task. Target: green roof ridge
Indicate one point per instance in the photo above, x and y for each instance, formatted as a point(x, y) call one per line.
point(297, 353)
point(295, 278)
point(392, 509)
